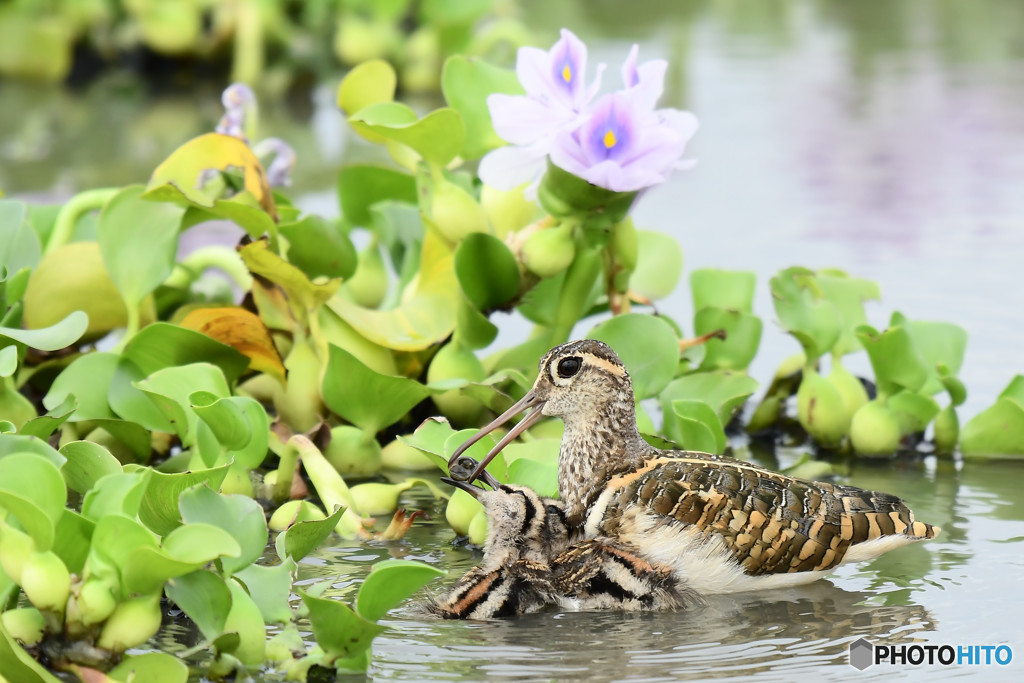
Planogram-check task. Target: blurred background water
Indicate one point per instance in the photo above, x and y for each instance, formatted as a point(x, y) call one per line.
point(882, 137)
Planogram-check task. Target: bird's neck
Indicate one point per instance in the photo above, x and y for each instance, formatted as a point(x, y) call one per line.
point(595, 448)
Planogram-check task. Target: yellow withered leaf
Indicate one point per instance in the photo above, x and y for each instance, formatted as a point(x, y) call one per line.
point(241, 330)
point(182, 169)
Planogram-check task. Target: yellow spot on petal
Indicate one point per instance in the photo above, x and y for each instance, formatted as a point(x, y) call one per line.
point(566, 73)
point(609, 139)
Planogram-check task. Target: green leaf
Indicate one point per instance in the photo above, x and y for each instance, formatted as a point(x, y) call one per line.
point(131, 403)
point(139, 242)
point(8, 360)
point(243, 210)
point(45, 425)
point(742, 337)
point(270, 588)
point(362, 187)
point(425, 317)
point(116, 539)
point(723, 391)
point(437, 137)
point(367, 398)
point(894, 358)
point(162, 345)
point(466, 82)
point(87, 379)
point(17, 443)
point(302, 538)
point(430, 438)
point(659, 265)
point(937, 343)
point(535, 465)
point(160, 508)
point(171, 387)
point(914, 411)
point(240, 516)
point(303, 295)
point(804, 312)
point(72, 539)
point(487, 270)
point(240, 424)
point(473, 329)
point(389, 583)
point(848, 295)
point(647, 345)
point(32, 490)
point(152, 667)
point(185, 550)
point(86, 464)
point(205, 598)
point(19, 242)
point(696, 427)
point(1014, 390)
point(732, 290)
point(338, 629)
point(996, 431)
point(119, 493)
point(52, 338)
point(319, 248)
point(368, 83)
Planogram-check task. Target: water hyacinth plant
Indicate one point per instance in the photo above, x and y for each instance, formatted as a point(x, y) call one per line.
point(150, 410)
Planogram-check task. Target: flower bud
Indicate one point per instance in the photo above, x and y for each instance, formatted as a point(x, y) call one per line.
point(374, 498)
point(461, 510)
point(821, 411)
point(851, 390)
point(455, 212)
point(947, 430)
point(455, 361)
point(25, 624)
point(369, 284)
point(549, 252)
point(507, 210)
point(15, 548)
point(353, 452)
point(132, 623)
point(478, 529)
point(875, 430)
point(293, 512)
point(400, 456)
point(244, 618)
point(96, 602)
point(46, 581)
point(74, 278)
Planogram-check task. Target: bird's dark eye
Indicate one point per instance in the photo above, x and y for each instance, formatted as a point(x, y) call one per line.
point(567, 367)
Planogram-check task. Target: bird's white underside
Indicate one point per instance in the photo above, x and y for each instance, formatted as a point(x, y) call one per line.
point(704, 563)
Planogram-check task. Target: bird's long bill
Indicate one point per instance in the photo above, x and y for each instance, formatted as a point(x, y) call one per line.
point(528, 401)
point(466, 486)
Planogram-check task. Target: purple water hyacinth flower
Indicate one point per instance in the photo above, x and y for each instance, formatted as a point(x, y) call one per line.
point(624, 145)
point(556, 98)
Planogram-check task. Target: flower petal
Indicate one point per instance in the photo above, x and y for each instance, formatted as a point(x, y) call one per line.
point(522, 120)
point(506, 168)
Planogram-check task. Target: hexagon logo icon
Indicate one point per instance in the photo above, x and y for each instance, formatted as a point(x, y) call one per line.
point(862, 654)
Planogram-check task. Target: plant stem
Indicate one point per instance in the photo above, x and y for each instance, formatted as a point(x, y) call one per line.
point(69, 214)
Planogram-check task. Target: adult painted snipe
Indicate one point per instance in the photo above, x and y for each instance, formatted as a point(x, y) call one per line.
point(721, 524)
point(529, 563)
